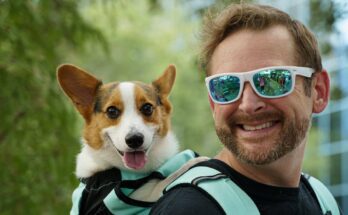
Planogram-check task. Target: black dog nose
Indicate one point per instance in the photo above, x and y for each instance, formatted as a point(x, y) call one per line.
point(134, 140)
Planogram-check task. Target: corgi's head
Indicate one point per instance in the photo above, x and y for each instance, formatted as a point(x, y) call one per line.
point(124, 121)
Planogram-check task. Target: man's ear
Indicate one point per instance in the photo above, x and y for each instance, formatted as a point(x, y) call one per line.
point(321, 91)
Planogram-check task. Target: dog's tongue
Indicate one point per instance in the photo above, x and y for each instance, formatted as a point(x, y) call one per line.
point(135, 160)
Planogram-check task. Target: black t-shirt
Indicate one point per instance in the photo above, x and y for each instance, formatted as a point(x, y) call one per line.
point(268, 199)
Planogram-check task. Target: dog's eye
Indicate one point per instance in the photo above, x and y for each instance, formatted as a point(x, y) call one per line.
point(113, 112)
point(147, 109)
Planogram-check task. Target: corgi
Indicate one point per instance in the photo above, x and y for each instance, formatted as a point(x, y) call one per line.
point(127, 125)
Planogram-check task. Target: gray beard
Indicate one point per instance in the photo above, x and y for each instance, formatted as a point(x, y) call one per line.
point(289, 138)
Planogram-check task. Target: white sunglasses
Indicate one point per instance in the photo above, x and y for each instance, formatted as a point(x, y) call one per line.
point(268, 82)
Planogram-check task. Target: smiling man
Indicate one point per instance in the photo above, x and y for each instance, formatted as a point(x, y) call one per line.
point(265, 80)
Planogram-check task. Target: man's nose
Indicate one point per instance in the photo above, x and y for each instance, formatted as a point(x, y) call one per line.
point(250, 102)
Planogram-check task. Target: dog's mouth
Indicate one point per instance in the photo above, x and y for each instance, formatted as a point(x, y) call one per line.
point(134, 159)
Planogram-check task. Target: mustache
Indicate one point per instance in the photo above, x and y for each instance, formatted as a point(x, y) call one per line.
point(242, 118)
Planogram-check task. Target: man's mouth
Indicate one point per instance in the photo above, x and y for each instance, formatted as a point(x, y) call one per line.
point(257, 127)
point(256, 130)
point(257, 122)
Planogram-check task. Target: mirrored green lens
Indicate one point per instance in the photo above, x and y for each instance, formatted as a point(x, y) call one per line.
point(224, 88)
point(273, 82)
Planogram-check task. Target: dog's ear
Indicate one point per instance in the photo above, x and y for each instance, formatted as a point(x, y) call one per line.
point(165, 82)
point(80, 86)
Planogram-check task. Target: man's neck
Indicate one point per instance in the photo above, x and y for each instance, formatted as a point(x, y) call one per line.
point(284, 172)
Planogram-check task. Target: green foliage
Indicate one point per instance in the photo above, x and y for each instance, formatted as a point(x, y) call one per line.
point(336, 93)
point(38, 138)
point(324, 14)
point(314, 163)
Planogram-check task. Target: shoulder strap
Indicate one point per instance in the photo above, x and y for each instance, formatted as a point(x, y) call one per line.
point(327, 202)
point(76, 196)
point(230, 197)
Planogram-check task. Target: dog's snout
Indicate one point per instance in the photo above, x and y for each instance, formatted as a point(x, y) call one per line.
point(134, 140)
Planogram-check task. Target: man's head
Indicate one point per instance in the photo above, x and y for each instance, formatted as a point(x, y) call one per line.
point(243, 38)
point(257, 17)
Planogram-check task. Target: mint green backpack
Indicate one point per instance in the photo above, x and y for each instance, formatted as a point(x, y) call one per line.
point(234, 200)
point(137, 192)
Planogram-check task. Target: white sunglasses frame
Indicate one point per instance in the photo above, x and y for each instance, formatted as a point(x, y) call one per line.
point(248, 76)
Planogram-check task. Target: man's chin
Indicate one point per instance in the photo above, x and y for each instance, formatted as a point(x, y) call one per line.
point(255, 156)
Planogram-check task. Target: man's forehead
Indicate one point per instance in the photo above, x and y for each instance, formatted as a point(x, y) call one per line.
point(246, 50)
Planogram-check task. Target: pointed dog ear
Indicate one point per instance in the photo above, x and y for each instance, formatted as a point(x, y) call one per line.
point(165, 82)
point(80, 86)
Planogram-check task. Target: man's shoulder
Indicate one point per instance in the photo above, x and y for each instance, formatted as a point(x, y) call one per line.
point(179, 200)
point(185, 197)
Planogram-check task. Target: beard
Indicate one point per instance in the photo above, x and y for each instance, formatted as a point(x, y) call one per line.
point(290, 137)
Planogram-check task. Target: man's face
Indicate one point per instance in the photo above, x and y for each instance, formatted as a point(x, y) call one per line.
point(259, 130)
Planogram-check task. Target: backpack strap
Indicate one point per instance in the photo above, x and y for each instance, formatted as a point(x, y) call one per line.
point(227, 194)
point(76, 196)
point(326, 200)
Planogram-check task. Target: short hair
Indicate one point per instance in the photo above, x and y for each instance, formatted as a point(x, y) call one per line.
point(257, 17)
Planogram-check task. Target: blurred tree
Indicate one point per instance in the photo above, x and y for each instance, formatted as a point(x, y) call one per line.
point(37, 131)
point(336, 93)
point(314, 163)
point(324, 15)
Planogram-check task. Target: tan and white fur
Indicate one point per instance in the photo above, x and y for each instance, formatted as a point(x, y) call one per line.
point(127, 124)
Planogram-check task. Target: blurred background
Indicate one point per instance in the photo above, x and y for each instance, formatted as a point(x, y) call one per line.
point(133, 40)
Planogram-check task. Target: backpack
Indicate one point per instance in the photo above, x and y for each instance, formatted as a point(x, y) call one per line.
point(234, 200)
point(134, 193)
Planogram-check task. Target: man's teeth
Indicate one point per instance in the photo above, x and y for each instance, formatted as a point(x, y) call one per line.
point(258, 127)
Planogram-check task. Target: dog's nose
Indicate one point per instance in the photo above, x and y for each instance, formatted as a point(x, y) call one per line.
point(134, 140)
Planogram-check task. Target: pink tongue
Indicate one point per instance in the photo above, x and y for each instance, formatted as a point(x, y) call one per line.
point(135, 160)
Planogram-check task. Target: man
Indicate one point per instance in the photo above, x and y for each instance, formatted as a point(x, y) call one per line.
point(263, 126)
